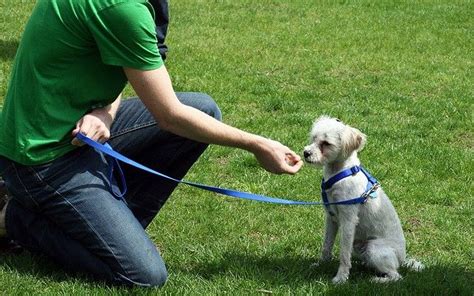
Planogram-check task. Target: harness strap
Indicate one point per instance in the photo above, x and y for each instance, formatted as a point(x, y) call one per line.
point(339, 176)
point(370, 190)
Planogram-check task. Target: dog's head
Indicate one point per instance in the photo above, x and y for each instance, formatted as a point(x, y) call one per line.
point(332, 141)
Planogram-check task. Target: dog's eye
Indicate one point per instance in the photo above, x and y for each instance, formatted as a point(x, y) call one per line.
point(324, 143)
point(323, 146)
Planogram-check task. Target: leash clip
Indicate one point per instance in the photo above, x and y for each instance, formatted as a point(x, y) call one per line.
point(370, 192)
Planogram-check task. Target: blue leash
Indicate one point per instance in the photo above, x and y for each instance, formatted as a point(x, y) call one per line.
point(107, 150)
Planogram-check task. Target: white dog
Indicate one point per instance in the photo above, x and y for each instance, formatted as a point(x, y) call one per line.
point(370, 228)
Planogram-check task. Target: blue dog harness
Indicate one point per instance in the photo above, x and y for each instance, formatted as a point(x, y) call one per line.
point(370, 190)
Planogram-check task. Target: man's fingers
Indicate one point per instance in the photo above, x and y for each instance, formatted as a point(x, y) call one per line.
point(293, 161)
point(104, 137)
point(294, 168)
point(292, 158)
point(93, 128)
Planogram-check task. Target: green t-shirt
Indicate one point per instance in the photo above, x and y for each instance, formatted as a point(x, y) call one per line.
point(69, 62)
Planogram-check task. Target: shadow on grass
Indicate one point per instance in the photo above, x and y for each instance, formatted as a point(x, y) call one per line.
point(296, 273)
point(288, 273)
point(8, 49)
point(39, 267)
point(50, 277)
point(31, 265)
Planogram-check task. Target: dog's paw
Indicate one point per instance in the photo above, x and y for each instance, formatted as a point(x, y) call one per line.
point(340, 279)
point(414, 265)
point(393, 277)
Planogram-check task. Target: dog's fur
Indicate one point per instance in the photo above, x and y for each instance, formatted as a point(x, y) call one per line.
point(372, 231)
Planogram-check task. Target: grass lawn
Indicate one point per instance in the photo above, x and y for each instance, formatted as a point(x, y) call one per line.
point(401, 71)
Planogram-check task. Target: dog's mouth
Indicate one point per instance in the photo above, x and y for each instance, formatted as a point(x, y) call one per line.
point(309, 157)
point(312, 162)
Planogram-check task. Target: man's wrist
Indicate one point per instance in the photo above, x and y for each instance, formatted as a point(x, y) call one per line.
point(253, 143)
point(104, 115)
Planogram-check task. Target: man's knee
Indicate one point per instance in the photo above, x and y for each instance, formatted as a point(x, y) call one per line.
point(154, 276)
point(210, 107)
point(144, 276)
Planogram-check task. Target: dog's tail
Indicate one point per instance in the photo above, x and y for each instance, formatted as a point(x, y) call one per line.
point(413, 264)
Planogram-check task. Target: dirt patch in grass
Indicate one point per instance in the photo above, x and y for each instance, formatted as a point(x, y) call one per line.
point(465, 140)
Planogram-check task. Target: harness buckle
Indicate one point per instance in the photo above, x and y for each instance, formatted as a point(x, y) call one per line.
point(355, 170)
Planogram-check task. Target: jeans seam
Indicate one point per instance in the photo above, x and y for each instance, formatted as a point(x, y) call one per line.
point(56, 192)
point(132, 129)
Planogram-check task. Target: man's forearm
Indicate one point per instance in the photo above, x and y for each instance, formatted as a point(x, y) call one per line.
point(155, 90)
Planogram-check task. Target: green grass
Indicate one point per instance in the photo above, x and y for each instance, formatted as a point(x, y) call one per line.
point(401, 71)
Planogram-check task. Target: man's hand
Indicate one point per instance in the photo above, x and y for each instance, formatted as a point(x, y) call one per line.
point(277, 158)
point(96, 124)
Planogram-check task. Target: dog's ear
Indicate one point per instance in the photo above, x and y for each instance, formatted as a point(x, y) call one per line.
point(352, 140)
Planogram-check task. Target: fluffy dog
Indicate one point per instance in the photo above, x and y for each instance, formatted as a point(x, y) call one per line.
point(371, 230)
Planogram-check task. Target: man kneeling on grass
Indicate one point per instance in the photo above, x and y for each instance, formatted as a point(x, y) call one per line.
point(74, 60)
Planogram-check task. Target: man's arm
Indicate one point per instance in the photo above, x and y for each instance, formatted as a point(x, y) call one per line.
point(155, 90)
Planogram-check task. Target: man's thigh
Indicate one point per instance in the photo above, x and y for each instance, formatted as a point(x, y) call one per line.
point(73, 193)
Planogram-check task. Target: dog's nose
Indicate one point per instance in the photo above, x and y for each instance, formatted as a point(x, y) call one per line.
point(307, 153)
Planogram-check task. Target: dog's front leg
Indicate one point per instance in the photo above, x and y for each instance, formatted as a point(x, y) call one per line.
point(329, 238)
point(348, 222)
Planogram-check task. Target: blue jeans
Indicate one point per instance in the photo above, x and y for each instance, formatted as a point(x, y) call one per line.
point(65, 210)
